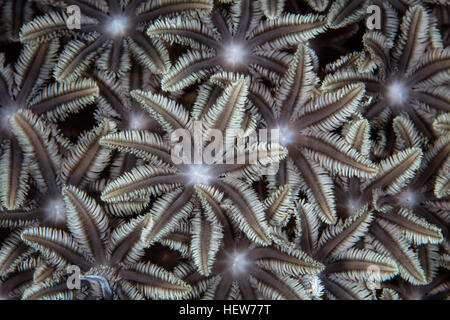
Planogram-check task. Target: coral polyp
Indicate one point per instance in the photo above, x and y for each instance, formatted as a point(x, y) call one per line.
point(224, 149)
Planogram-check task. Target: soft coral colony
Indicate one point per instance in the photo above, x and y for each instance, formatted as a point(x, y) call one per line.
point(359, 207)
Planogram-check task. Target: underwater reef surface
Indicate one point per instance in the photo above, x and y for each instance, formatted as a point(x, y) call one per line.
point(225, 149)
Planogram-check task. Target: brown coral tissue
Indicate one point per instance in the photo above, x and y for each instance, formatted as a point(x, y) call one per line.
point(224, 149)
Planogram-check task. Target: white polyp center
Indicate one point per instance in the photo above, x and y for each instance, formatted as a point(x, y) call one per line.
point(199, 174)
point(286, 135)
point(409, 198)
point(397, 93)
point(234, 54)
point(138, 121)
point(56, 211)
point(353, 205)
point(5, 114)
point(117, 26)
point(239, 263)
